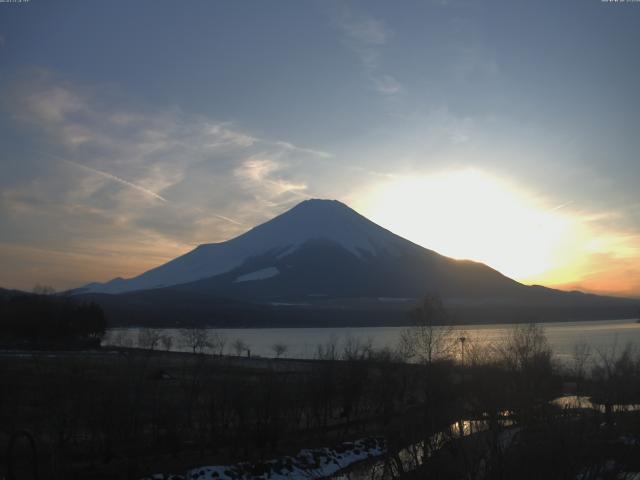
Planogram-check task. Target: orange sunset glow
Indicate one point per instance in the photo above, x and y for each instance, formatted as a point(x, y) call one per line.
point(468, 214)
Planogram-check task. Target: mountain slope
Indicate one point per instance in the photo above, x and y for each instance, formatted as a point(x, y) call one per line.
point(309, 220)
point(324, 269)
point(323, 255)
point(318, 248)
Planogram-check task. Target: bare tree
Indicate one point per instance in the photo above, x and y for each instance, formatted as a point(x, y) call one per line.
point(530, 372)
point(615, 376)
point(195, 338)
point(119, 338)
point(431, 337)
point(579, 362)
point(357, 349)
point(149, 338)
point(478, 350)
point(405, 348)
point(217, 343)
point(525, 345)
point(239, 346)
point(328, 350)
point(167, 342)
point(279, 349)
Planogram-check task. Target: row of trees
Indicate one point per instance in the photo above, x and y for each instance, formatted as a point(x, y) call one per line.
point(196, 339)
point(46, 319)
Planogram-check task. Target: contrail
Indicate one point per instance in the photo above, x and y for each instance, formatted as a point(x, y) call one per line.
point(132, 185)
point(119, 180)
point(142, 189)
point(561, 206)
point(222, 217)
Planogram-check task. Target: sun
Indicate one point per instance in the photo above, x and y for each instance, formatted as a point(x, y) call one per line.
point(468, 214)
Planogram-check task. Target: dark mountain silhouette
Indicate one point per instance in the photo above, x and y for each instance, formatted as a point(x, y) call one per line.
point(322, 256)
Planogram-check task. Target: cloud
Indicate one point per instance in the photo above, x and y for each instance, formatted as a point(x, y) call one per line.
point(109, 176)
point(365, 31)
point(606, 273)
point(473, 62)
point(387, 85)
point(595, 254)
point(471, 58)
point(261, 173)
point(365, 36)
point(53, 104)
point(293, 148)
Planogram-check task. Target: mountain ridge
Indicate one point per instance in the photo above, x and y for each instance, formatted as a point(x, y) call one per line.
point(308, 220)
point(322, 259)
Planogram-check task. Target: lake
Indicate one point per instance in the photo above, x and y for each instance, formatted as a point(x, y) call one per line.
point(303, 342)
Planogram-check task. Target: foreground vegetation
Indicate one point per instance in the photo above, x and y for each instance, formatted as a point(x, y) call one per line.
point(125, 413)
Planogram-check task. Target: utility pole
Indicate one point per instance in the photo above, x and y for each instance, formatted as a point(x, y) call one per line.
point(462, 340)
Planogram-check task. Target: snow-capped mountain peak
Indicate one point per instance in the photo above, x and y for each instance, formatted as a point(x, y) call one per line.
point(322, 219)
point(311, 220)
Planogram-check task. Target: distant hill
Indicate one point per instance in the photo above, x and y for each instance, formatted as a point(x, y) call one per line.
point(322, 263)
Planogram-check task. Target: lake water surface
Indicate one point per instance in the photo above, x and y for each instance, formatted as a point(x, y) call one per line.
point(303, 342)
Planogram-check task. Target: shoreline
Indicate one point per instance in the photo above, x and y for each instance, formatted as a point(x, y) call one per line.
point(400, 325)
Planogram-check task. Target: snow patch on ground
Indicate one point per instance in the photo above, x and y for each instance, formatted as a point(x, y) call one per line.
point(308, 464)
point(258, 275)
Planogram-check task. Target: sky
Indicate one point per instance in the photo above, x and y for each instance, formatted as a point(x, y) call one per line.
point(500, 131)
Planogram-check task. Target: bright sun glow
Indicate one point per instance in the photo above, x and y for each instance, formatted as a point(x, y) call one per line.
point(468, 214)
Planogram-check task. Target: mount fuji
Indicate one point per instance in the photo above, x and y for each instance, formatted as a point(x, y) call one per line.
point(321, 254)
point(318, 241)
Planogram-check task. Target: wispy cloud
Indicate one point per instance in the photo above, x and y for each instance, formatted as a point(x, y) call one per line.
point(365, 31)
point(293, 148)
point(561, 206)
point(260, 172)
point(387, 84)
point(365, 36)
point(471, 58)
point(206, 180)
